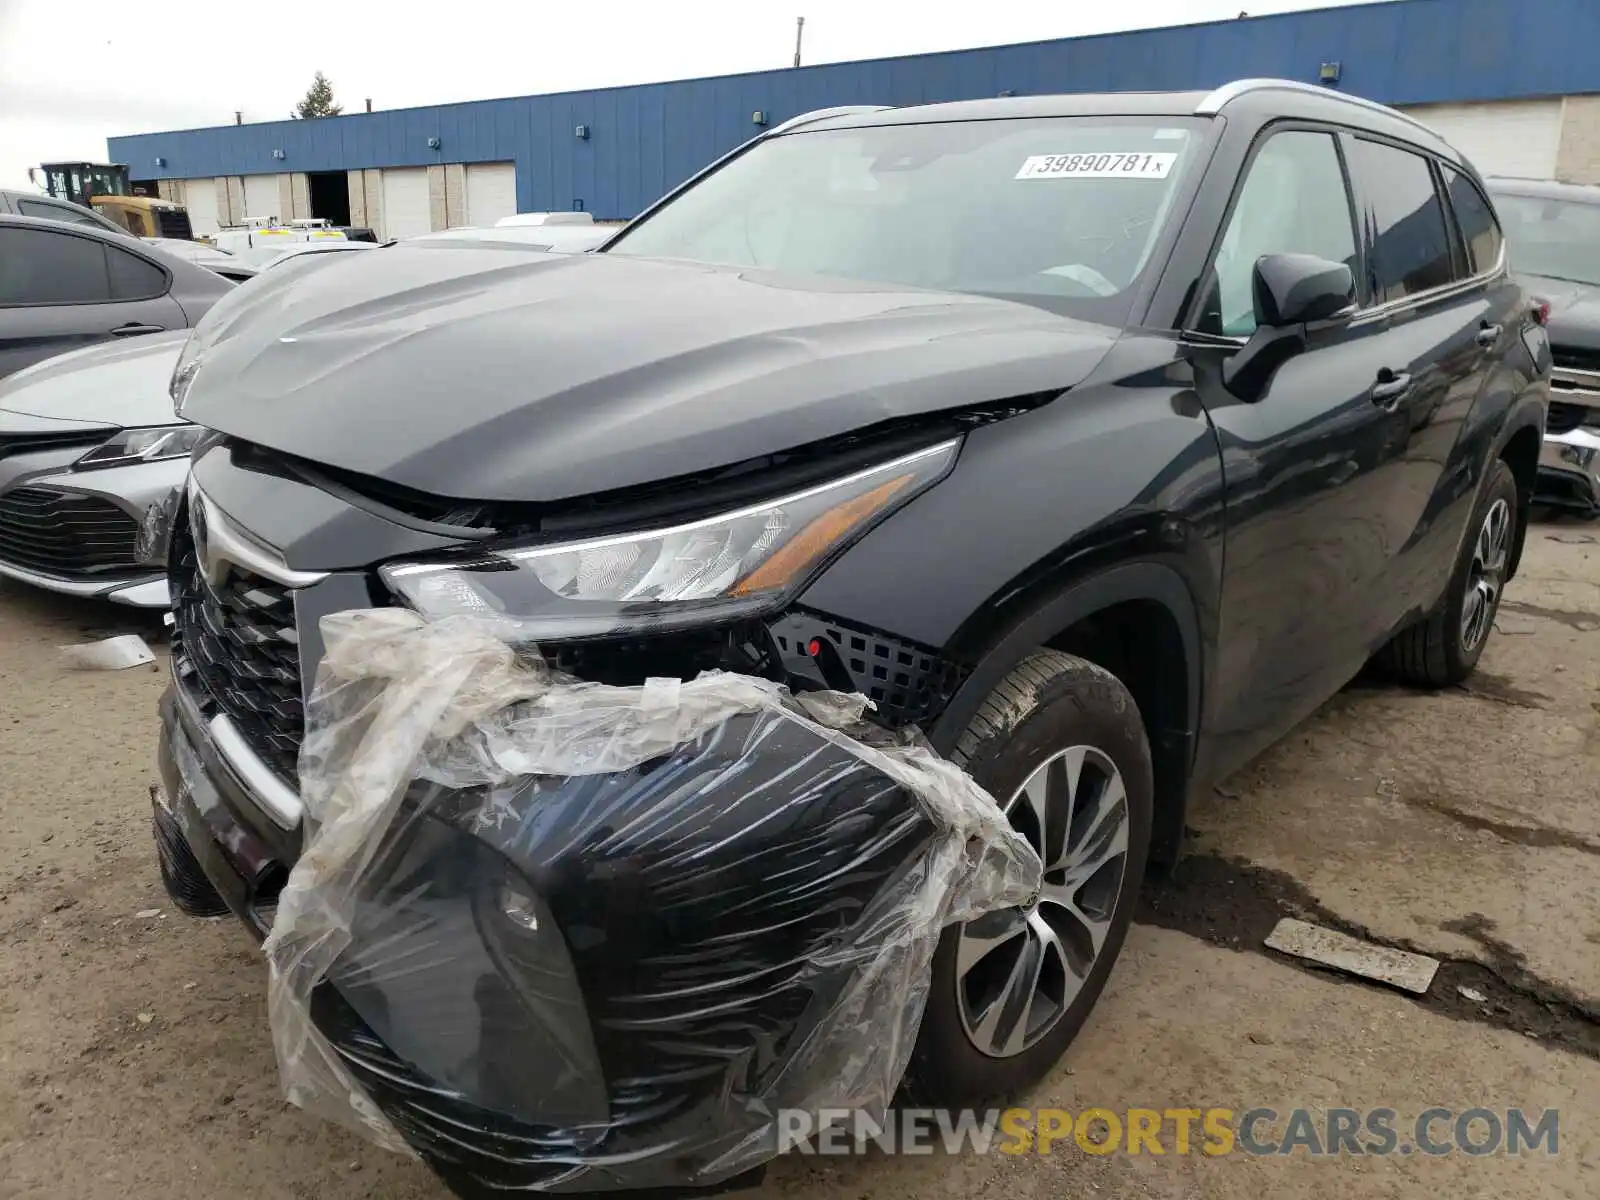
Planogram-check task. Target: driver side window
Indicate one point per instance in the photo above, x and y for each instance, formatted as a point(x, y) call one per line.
point(1293, 201)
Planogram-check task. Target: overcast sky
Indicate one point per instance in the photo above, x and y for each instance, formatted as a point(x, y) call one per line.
point(72, 74)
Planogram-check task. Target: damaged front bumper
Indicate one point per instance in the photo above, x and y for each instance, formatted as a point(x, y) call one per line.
point(596, 937)
point(1569, 469)
point(82, 533)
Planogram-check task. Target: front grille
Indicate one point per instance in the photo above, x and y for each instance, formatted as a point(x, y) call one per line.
point(181, 873)
point(1574, 359)
point(235, 651)
point(907, 683)
point(175, 224)
point(30, 443)
point(1564, 417)
point(60, 533)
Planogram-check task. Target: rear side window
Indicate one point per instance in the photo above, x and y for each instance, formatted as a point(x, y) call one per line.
point(40, 266)
point(1410, 240)
point(56, 212)
point(133, 278)
point(50, 212)
point(1479, 229)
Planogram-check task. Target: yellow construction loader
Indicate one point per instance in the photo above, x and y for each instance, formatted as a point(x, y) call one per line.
point(104, 188)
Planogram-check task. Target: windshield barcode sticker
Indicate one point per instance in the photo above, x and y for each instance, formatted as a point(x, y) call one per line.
point(1097, 166)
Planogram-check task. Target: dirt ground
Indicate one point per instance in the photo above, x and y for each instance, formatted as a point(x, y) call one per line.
point(135, 1062)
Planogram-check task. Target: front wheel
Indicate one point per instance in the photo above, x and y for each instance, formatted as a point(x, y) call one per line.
point(1061, 746)
point(1444, 648)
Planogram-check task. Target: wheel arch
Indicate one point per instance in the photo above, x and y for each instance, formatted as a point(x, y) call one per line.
point(1138, 620)
point(1519, 449)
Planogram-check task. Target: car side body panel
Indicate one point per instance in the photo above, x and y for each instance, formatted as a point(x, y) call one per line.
point(1106, 474)
point(33, 334)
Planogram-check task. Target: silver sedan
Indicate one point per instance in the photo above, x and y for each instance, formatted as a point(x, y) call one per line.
point(89, 447)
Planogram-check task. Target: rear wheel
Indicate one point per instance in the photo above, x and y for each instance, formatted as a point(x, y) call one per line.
point(1060, 745)
point(1444, 648)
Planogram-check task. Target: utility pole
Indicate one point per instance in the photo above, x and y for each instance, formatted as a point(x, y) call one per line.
point(799, 32)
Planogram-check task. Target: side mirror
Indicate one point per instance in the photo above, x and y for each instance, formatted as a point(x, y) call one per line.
point(1292, 292)
point(1301, 289)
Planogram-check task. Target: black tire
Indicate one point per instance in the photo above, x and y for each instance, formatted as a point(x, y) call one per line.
point(1437, 652)
point(1050, 702)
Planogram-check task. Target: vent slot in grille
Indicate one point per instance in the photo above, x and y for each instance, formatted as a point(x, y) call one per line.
point(235, 651)
point(60, 533)
point(174, 224)
point(1575, 360)
point(30, 443)
point(908, 683)
point(1564, 417)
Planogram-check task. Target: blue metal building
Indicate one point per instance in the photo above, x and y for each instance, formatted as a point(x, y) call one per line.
point(612, 150)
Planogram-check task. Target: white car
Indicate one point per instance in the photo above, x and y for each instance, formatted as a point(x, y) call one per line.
point(269, 255)
point(203, 254)
point(558, 239)
point(545, 218)
point(88, 444)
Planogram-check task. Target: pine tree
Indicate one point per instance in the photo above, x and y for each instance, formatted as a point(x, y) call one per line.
point(318, 101)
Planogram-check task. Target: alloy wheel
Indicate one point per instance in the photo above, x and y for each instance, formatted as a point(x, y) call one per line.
point(1486, 576)
point(1019, 970)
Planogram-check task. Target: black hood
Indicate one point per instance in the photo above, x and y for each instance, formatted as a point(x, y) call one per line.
point(502, 374)
point(1574, 310)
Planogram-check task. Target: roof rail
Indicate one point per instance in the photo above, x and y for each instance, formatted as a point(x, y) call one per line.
point(1214, 102)
point(822, 114)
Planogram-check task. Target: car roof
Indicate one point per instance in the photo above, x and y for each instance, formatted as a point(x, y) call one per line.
point(297, 249)
point(12, 195)
point(557, 238)
point(1262, 99)
point(175, 265)
point(1167, 104)
point(112, 234)
point(18, 194)
point(1543, 189)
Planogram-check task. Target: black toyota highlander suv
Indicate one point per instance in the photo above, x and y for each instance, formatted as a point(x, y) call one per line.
point(1102, 438)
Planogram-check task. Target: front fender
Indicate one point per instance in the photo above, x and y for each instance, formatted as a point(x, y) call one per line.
point(1121, 468)
point(1112, 493)
point(1137, 581)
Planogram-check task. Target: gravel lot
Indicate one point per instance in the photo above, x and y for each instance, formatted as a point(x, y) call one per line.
point(135, 1061)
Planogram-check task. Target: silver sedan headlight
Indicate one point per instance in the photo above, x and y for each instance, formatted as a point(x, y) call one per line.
point(723, 568)
point(143, 445)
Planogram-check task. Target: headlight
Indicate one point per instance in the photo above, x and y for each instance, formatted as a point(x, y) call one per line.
point(143, 445)
point(722, 568)
point(184, 371)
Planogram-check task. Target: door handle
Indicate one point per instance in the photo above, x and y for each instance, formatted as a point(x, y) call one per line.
point(1489, 335)
point(1390, 388)
point(133, 328)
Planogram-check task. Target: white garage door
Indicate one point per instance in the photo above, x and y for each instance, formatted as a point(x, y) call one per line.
point(200, 198)
point(491, 192)
point(261, 197)
point(405, 202)
point(1513, 137)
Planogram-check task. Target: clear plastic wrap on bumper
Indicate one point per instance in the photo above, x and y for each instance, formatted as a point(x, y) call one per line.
point(557, 935)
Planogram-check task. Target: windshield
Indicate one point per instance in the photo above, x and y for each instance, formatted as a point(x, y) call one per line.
point(1061, 212)
point(1559, 239)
